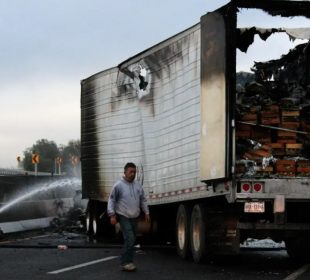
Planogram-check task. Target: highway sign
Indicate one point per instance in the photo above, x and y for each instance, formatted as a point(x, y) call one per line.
point(35, 158)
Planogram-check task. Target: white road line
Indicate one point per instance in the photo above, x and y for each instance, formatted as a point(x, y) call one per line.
point(82, 265)
point(298, 272)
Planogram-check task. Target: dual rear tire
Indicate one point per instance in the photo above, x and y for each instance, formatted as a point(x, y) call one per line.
point(183, 231)
point(96, 221)
point(191, 232)
point(92, 224)
point(198, 234)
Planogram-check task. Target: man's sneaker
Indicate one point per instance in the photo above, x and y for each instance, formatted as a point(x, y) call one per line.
point(129, 267)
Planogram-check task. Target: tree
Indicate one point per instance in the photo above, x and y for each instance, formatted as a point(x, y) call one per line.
point(50, 154)
point(47, 150)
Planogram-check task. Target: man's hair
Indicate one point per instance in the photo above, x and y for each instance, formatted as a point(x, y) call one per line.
point(128, 165)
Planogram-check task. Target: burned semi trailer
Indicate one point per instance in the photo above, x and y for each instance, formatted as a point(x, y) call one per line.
point(207, 154)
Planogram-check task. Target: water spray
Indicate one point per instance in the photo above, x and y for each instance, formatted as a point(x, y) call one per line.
point(46, 187)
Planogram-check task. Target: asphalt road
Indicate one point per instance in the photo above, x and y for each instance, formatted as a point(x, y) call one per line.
point(40, 258)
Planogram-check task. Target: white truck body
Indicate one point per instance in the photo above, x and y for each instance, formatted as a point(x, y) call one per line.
point(171, 110)
point(159, 128)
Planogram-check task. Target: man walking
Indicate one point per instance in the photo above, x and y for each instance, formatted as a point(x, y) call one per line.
point(125, 201)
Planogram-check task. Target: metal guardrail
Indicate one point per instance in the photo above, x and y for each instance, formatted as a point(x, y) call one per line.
point(21, 172)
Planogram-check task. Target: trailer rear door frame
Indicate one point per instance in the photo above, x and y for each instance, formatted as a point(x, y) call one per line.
point(218, 71)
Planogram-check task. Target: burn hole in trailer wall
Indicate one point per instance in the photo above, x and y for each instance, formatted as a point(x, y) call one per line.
point(272, 95)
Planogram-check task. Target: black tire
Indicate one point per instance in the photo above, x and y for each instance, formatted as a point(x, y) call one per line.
point(182, 231)
point(89, 222)
point(94, 222)
point(198, 234)
point(96, 227)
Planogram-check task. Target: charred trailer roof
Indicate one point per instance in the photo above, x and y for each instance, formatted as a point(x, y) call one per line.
point(284, 8)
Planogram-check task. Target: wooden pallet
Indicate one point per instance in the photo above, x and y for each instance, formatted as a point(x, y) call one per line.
point(290, 125)
point(303, 168)
point(286, 134)
point(270, 120)
point(285, 166)
point(293, 149)
point(271, 108)
point(250, 117)
point(278, 149)
point(287, 141)
point(289, 116)
point(265, 170)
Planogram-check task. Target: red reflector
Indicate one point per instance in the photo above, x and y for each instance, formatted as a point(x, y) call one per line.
point(246, 187)
point(257, 187)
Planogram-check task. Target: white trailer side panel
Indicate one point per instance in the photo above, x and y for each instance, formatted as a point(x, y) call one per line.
point(147, 111)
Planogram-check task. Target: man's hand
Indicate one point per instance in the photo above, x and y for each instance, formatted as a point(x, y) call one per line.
point(147, 218)
point(113, 220)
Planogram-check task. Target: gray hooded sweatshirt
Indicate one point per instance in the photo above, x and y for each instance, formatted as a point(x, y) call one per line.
point(126, 199)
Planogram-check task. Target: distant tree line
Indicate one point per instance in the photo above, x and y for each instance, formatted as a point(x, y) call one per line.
point(51, 155)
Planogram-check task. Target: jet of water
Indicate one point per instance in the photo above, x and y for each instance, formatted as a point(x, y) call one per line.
point(46, 187)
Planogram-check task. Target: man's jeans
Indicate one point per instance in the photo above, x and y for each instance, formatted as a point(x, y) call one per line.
point(129, 228)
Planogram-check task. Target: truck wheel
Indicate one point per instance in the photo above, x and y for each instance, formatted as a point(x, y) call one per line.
point(182, 231)
point(92, 219)
point(89, 223)
point(95, 225)
point(99, 227)
point(198, 233)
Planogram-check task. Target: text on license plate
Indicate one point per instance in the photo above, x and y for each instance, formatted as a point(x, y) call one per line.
point(254, 207)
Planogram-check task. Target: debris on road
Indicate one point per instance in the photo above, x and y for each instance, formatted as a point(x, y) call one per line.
point(72, 221)
point(62, 247)
point(262, 244)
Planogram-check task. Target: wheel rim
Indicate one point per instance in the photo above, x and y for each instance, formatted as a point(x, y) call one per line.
point(87, 222)
point(196, 234)
point(181, 232)
point(94, 226)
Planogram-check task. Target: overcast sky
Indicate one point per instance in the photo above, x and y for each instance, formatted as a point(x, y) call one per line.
point(48, 46)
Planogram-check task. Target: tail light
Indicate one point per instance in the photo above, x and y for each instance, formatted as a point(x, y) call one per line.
point(252, 187)
point(246, 187)
point(258, 187)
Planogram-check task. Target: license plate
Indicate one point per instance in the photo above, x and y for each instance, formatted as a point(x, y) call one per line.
point(254, 207)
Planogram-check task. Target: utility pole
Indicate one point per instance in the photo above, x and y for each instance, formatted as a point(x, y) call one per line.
point(36, 169)
point(58, 161)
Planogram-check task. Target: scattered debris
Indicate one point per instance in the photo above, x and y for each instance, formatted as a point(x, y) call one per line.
point(62, 247)
point(72, 221)
point(263, 243)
